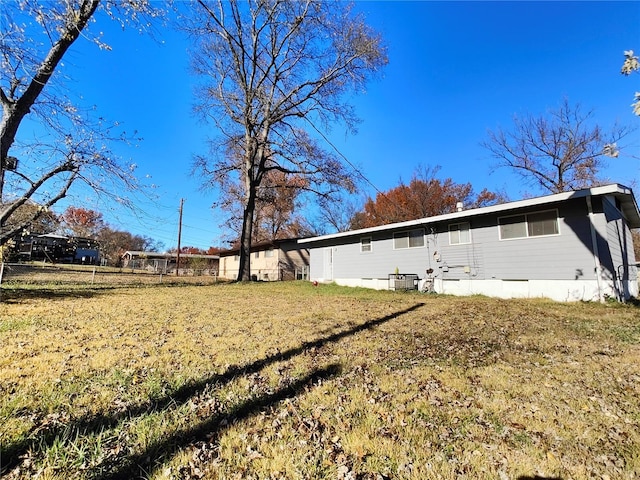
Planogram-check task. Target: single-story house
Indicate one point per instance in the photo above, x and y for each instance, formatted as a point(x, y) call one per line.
point(568, 246)
point(166, 262)
point(58, 248)
point(270, 261)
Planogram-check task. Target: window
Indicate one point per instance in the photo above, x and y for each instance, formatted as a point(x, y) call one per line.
point(529, 225)
point(544, 223)
point(410, 239)
point(257, 254)
point(459, 233)
point(365, 244)
point(269, 253)
point(513, 227)
point(416, 238)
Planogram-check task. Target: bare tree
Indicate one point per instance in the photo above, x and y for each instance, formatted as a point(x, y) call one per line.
point(277, 208)
point(337, 213)
point(45, 222)
point(69, 144)
point(114, 243)
point(558, 152)
point(275, 75)
point(279, 199)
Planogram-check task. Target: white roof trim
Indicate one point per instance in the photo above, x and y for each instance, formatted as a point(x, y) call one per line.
point(503, 207)
point(52, 235)
point(140, 253)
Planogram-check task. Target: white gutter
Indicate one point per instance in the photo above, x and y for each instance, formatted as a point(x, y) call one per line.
point(596, 254)
point(611, 189)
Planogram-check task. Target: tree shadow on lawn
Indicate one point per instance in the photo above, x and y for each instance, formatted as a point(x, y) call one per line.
point(538, 477)
point(87, 425)
point(142, 464)
point(19, 294)
point(9, 294)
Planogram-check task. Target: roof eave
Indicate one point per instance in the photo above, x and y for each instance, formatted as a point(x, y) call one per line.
point(618, 190)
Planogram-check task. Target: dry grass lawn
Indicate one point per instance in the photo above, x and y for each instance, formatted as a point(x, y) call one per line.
point(288, 381)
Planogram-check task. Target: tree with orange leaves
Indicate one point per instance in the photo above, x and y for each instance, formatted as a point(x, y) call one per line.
point(424, 196)
point(82, 222)
point(275, 211)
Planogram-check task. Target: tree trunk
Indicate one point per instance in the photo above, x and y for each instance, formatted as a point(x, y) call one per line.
point(244, 268)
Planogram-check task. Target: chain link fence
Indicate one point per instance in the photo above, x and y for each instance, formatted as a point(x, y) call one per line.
point(19, 274)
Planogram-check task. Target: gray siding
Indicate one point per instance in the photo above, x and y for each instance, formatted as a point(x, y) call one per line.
point(315, 262)
point(566, 256)
point(379, 262)
point(455, 262)
point(620, 242)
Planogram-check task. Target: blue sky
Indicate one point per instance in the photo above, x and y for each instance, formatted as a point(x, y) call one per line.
point(456, 69)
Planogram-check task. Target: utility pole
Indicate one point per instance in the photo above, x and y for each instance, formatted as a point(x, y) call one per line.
point(179, 235)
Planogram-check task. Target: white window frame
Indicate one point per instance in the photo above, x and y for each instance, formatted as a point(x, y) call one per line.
point(407, 234)
point(459, 230)
point(366, 245)
point(527, 225)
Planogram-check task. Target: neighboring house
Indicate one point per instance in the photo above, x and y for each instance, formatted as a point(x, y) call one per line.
point(270, 261)
point(568, 246)
point(190, 263)
point(59, 249)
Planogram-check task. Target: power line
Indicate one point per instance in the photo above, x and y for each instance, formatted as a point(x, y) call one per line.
point(357, 170)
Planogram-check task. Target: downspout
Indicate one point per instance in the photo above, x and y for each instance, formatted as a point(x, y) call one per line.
point(596, 254)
